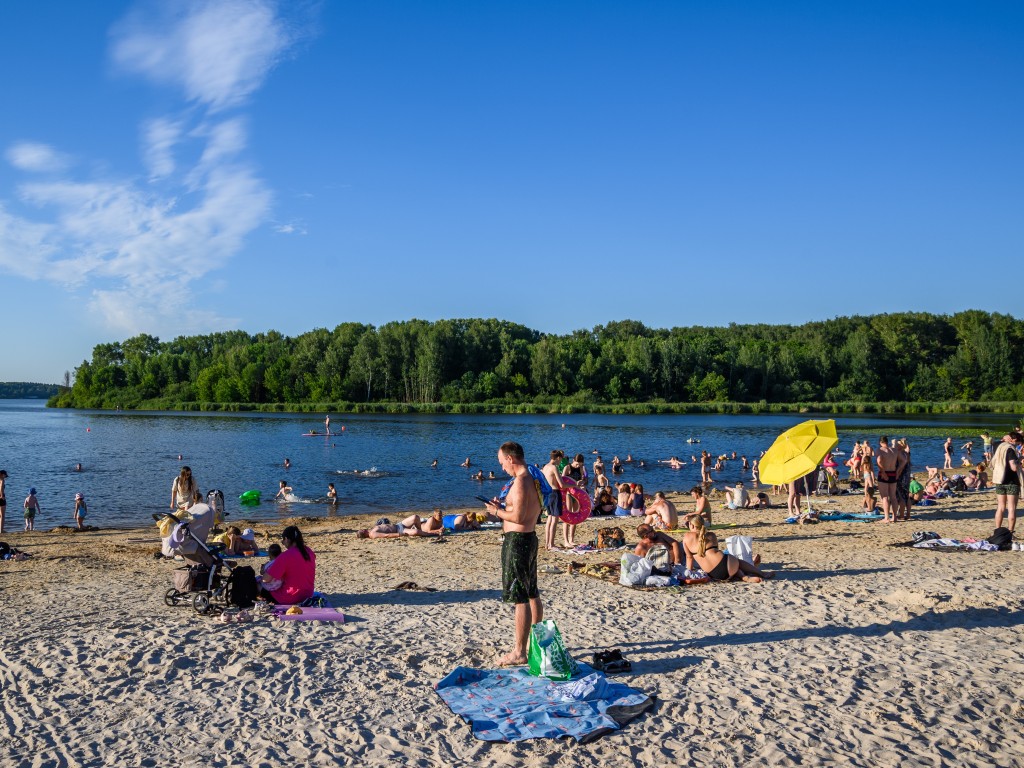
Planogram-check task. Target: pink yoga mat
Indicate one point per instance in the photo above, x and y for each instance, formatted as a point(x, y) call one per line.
point(311, 614)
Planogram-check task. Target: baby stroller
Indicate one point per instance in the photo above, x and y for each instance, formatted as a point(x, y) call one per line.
point(215, 500)
point(827, 484)
point(207, 579)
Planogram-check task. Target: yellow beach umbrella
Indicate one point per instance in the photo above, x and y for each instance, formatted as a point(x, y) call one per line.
point(798, 451)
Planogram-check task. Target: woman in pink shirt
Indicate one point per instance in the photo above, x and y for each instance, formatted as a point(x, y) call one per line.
point(289, 579)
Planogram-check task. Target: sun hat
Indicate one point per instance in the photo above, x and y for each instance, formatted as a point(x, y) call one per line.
point(78, 496)
point(249, 534)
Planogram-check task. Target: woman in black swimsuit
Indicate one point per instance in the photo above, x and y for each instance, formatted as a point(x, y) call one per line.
point(701, 545)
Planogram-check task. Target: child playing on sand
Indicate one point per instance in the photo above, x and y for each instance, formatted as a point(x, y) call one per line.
point(32, 508)
point(80, 511)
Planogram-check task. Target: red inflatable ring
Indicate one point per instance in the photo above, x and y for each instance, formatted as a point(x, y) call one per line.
point(574, 513)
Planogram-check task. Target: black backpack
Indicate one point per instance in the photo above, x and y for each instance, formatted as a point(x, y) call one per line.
point(1002, 538)
point(243, 587)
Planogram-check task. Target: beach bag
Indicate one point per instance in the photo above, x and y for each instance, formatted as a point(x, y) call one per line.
point(547, 655)
point(1002, 538)
point(660, 561)
point(741, 547)
point(191, 578)
point(242, 587)
point(610, 538)
point(634, 570)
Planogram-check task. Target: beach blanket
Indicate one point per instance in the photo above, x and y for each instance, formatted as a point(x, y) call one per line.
point(850, 516)
point(260, 553)
point(838, 516)
point(512, 705)
point(715, 527)
point(309, 614)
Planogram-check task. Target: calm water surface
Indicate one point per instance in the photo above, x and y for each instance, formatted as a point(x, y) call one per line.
point(380, 464)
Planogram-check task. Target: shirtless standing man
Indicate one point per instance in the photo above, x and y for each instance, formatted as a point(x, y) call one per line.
point(519, 549)
point(554, 478)
point(890, 464)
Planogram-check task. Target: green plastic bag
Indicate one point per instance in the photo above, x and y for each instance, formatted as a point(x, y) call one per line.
point(547, 655)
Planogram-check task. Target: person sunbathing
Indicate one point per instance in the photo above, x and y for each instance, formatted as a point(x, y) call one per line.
point(650, 537)
point(240, 543)
point(433, 523)
point(701, 546)
point(385, 529)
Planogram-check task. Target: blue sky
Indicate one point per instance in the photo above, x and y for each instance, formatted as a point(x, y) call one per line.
point(287, 166)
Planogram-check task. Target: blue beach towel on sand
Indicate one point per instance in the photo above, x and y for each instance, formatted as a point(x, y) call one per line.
point(512, 705)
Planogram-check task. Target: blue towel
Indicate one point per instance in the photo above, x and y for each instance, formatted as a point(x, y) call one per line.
point(850, 516)
point(512, 705)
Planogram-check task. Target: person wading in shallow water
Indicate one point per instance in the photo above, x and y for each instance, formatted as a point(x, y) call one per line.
point(519, 549)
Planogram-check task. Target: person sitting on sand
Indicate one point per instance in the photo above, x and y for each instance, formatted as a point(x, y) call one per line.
point(604, 504)
point(385, 529)
point(272, 553)
point(982, 477)
point(649, 537)
point(701, 507)
point(737, 498)
point(701, 546)
point(916, 491)
point(662, 513)
point(289, 579)
point(622, 505)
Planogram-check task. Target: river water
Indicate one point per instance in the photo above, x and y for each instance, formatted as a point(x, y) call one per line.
point(379, 464)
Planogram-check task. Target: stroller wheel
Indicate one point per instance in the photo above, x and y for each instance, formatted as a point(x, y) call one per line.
point(201, 603)
point(173, 596)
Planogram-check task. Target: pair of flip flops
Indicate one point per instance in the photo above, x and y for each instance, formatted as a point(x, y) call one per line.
point(611, 662)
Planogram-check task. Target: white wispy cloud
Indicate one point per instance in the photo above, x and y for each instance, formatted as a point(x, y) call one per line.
point(138, 242)
point(217, 51)
point(290, 228)
point(32, 156)
point(160, 135)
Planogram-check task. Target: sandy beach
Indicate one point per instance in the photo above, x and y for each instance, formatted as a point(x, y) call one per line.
point(858, 653)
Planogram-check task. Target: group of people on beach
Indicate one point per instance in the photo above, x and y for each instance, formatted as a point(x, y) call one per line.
point(32, 508)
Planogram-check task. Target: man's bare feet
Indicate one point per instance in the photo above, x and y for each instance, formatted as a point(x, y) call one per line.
point(752, 579)
point(511, 660)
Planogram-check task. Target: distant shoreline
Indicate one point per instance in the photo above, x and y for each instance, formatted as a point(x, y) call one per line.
point(631, 409)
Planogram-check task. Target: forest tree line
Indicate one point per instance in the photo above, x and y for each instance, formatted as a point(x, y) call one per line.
point(967, 356)
point(20, 390)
